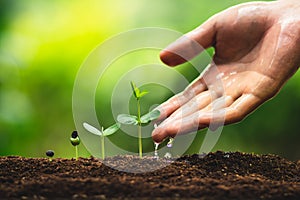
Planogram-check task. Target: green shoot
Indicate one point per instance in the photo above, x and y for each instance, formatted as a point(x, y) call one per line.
point(103, 133)
point(138, 120)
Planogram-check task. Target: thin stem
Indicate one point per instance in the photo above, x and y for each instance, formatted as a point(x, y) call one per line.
point(76, 152)
point(140, 129)
point(140, 141)
point(102, 146)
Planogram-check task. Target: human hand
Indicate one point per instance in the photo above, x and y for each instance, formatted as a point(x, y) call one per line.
point(257, 49)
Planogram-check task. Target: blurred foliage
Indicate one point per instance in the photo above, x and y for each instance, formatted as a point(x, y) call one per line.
point(43, 43)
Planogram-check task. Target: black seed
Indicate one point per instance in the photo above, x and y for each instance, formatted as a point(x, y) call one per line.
point(74, 134)
point(50, 153)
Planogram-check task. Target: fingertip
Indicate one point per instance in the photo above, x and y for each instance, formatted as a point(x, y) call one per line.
point(171, 59)
point(157, 136)
point(164, 131)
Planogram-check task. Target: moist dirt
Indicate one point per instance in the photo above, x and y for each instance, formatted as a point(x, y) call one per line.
point(219, 175)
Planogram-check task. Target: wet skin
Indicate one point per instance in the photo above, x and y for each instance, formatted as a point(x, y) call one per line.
point(257, 49)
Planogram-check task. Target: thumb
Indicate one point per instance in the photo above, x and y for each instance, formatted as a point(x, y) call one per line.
point(190, 44)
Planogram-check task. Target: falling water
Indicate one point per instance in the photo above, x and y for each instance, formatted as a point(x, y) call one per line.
point(156, 146)
point(155, 150)
point(168, 155)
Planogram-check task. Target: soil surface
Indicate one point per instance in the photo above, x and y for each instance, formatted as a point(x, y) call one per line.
point(217, 175)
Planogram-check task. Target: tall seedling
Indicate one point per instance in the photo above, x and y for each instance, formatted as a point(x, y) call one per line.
point(138, 120)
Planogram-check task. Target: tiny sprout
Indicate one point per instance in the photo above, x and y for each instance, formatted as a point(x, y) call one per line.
point(75, 141)
point(50, 154)
point(138, 120)
point(103, 133)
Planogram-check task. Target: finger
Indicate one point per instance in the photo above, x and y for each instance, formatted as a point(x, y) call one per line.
point(203, 104)
point(220, 103)
point(220, 106)
point(242, 107)
point(193, 105)
point(237, 111)
point(168, 107)
point(165, 130)
point(190, 45)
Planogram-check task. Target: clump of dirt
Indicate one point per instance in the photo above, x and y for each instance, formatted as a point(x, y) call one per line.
point(219, 175)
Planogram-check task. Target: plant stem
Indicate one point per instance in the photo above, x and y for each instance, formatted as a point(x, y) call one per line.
point(140, 129)
point(102, 146)
point(140, 141)
point(76, 152)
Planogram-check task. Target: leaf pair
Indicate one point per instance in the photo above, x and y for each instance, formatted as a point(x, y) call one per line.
point(131, 119)
point(136, 91)
point(109, 131)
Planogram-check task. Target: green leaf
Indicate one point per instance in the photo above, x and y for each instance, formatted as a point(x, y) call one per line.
point(154, 114)
point(91, 129)
point(111, 130)
point(143, 93)
point(136, 90)
point(127, 119)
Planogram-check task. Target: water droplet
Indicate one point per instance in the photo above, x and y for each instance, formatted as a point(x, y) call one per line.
point(170, 143)
point(168, 155)
point(226, 156)
point(220, 75)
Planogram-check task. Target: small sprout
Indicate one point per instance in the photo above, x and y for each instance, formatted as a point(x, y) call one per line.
point(138, 120)
point(75, 141)
point(103, 133)
point(50, 154)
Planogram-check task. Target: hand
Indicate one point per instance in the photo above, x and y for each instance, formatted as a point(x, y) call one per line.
point(257, 49)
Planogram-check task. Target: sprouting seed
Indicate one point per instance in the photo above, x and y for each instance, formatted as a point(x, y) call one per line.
point(50, 154)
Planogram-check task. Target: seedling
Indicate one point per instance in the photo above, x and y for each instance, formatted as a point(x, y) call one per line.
point(138, 120)
point(103, 133)
point(50, 154)
point(75, 141)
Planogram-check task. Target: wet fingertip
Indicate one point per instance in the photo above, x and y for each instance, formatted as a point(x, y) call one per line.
point(156, 138)
point(158, 135)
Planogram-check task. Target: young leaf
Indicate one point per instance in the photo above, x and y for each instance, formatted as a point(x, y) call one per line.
point(154, 114)
point(111, 130)
point(127, 119)
point(136, 90)
point(92, 129)
point(143, 93)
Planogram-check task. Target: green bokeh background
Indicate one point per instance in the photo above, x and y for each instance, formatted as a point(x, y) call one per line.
point(43, 43)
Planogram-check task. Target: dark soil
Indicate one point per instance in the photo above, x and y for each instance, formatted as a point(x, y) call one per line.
point(216, 176)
